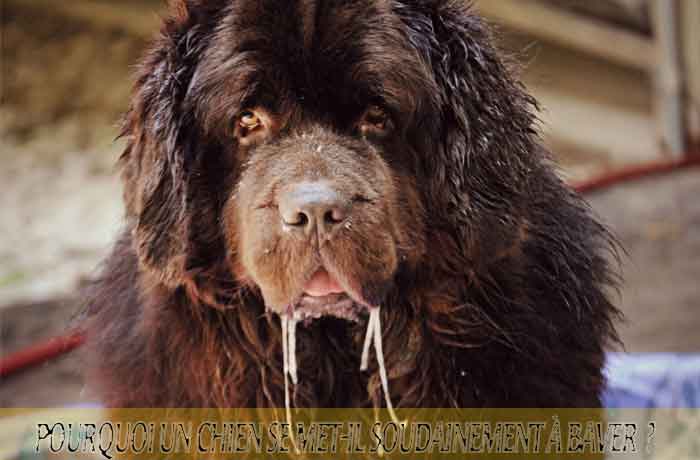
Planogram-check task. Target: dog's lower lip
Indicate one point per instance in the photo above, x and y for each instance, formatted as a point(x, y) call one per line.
point(339, 305)
point(324, 300)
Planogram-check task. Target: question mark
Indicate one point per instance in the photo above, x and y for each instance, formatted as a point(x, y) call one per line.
point(650, 435)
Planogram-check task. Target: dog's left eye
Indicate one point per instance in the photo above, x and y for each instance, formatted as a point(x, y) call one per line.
point(374, 120)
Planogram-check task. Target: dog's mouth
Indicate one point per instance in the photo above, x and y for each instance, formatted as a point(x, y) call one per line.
point(324, 296)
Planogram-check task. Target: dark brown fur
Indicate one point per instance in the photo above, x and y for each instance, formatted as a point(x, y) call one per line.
point(491, 273)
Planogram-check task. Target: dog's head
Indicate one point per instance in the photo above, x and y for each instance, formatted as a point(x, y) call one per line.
point(321, 151)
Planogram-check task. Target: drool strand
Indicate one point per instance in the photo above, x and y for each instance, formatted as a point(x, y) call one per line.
point(286, 361)
point(292, 337)
point(374, 336)
point(364, 363)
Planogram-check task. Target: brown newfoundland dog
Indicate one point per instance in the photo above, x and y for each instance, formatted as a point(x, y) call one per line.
point(344, 204)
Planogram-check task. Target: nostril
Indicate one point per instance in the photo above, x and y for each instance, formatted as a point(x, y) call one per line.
point(334, 216)
point(302, 220)
point(295, 219)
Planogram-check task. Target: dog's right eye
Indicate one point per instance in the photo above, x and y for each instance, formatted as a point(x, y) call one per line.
point(252, 126)
point(249, 120)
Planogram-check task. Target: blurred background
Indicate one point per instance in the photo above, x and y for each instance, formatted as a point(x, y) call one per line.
point(619, 84)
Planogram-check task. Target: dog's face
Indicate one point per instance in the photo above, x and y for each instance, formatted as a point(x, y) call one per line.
point(326, 206)
point(308, 150)
point(320, 221)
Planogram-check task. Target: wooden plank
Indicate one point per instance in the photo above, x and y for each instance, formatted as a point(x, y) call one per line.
point(690, 14)
point(571, 30)
point(630, 14)
point(668, 78)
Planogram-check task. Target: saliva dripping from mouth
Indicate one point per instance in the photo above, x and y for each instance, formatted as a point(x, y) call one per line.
point(289, 364)
point(289, 320)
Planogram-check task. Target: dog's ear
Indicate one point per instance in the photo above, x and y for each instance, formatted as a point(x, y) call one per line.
point(490, 117)
point(159, 132)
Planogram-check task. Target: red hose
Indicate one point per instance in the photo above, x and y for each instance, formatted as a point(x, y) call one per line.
point(39, 353)
point(635, 172)
point(57, 346)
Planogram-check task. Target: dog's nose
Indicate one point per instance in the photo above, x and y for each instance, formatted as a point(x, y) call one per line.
point(313, 206)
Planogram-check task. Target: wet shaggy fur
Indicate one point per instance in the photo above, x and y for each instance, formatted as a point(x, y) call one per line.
point(492, 275)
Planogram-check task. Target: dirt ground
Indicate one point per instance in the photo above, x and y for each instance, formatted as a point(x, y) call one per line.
point(63, 90)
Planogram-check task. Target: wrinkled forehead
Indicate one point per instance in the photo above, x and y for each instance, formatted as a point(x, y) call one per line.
point(313, 52)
